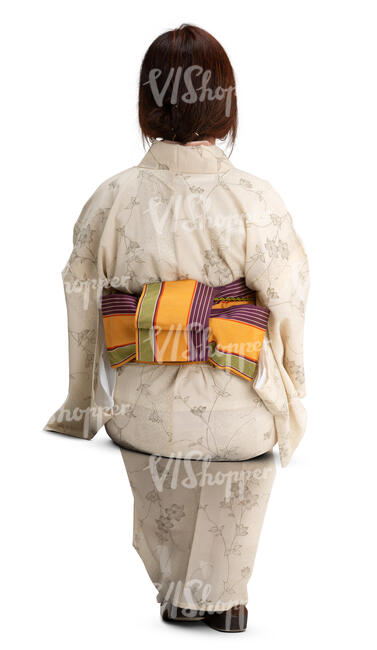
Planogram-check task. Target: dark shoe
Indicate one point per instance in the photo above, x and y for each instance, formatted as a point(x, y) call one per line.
point(172, 613)
point(232, 620)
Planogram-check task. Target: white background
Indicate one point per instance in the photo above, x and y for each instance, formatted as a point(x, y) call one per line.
point(306, 74)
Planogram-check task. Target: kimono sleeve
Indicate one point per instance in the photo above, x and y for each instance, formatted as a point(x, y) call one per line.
point(81, 415)
point(277, 267)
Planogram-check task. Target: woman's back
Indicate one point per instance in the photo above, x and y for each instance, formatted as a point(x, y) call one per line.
point(187, 212)
point(179, 213)
point(182, 215)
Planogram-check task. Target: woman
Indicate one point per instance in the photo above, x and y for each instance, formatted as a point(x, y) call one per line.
point(182, 229)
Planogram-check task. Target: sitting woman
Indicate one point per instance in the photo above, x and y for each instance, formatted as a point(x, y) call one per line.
point(186, 292)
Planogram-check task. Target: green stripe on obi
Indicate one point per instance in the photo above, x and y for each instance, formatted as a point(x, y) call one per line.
point(122, 355)
point(229, 360)
point(145, 322)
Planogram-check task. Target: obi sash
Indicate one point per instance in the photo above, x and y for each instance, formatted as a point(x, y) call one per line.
point(186, 321)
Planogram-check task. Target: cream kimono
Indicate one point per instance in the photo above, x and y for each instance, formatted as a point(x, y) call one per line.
point(186, 212)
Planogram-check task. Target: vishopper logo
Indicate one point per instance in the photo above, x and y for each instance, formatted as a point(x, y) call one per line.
point(91, 417)
point(168, 349)
point(183, 470)
point(189, 212)
point(192, 591)
point(199, 94)
point(85, 288)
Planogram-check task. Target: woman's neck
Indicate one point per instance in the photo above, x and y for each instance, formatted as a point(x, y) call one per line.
point(208, 142)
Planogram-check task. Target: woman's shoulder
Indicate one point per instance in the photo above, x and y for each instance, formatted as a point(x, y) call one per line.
point(260, 189)
point(113, 184)
point(94, 212)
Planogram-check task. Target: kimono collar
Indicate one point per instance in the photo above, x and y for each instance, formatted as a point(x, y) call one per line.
point(182, 158)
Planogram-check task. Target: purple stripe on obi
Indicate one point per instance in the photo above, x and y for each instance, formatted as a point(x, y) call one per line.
point(236, 289)
point(198, 322)
point(119, 303)
point(250, 314)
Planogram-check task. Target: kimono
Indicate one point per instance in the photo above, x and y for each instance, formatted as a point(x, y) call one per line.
point(185, 212)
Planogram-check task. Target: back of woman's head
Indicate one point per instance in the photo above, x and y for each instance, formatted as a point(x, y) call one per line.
point(187, 88)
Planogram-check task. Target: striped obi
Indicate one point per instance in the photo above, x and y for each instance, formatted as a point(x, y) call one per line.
point(186, 321)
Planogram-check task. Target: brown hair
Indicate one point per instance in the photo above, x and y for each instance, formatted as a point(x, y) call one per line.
point(180, 103)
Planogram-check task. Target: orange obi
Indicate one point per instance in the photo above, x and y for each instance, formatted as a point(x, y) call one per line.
point(186, 321)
